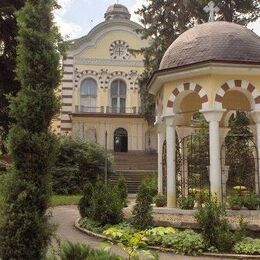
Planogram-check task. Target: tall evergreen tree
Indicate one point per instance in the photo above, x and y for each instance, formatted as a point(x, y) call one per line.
point(8, 44)
point(165, 20)
point(26, 232)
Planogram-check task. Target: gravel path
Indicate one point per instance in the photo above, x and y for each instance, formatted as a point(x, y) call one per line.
point(64, 217)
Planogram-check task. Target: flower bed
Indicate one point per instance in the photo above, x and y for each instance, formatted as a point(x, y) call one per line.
point(187, 242)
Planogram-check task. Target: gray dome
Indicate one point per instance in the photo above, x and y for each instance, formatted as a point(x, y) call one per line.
point(117, 11)
point(214, 41)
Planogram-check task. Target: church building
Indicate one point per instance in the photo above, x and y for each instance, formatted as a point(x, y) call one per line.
point(100, 91)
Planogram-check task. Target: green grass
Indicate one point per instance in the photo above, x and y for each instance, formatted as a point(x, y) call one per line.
point(59, 200)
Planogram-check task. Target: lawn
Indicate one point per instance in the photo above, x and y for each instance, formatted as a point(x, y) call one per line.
point(59, 200)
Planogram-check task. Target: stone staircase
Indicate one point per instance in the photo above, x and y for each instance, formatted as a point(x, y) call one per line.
point(134, 167)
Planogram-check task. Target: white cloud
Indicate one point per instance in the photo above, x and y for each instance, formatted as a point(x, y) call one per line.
point(67, 29)
point(255, 26)
point(138, 4)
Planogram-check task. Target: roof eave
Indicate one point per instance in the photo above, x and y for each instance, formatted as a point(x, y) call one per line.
point(159, 77)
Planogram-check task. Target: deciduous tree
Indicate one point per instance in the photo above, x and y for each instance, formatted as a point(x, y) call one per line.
point(164, 20)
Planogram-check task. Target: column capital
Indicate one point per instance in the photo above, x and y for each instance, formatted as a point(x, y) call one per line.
point(213, 115)
point(183, 131)
point(256, 116)
point(172, 120)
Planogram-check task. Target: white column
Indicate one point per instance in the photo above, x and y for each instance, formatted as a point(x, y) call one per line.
point(161, 139)
point(214, 117)
point(256, 118)
point(171, 162)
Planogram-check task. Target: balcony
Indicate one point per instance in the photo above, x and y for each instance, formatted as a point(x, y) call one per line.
point(107, 110)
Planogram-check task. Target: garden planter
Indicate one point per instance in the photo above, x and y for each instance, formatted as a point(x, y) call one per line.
point(235, 207)
point(159, 204)
point(251, 207)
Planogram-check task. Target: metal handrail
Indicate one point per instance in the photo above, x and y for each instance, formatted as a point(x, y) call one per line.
point(107, 110)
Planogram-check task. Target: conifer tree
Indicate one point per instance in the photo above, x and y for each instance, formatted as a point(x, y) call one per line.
point(164, 20)
point(26, 232)
point(8, 44)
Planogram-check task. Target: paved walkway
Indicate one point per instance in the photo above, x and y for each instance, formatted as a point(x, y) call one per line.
point(64, 217)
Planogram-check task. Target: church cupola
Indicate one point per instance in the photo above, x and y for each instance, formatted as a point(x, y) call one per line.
point(117, 11)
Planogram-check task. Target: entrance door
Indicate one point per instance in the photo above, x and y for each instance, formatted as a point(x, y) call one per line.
point(120, 140)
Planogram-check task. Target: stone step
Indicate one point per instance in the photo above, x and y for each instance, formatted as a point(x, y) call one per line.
point(133, 178)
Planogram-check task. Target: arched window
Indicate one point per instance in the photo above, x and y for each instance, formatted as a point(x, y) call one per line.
point(118, 96)
point(88, 95)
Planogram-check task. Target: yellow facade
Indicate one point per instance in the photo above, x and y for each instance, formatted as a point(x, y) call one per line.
point(100, 91)
point(211, 82)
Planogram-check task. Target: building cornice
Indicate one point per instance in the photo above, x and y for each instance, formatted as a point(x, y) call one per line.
point(108, 62)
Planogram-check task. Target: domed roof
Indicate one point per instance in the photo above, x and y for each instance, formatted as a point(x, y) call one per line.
point(214, 41)
point(117, 11)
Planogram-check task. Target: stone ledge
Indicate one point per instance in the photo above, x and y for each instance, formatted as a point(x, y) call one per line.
point(88, 232)
point(242, 212)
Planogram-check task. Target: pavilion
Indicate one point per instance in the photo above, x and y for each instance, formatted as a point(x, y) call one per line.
point(213, 68)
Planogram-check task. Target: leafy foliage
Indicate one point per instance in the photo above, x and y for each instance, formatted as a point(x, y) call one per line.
point(156, 236)
point(130, 242)
point(164, 21)
point(102, 203)
point(25, 233)
point(185, 242)
point(142, 212)
point(186, 202)
point(92, 225)
point(78, 162)
point(215, 228)
point(248, 246)
point(77, 251)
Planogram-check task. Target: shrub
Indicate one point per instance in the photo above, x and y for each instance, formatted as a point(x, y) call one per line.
point(151, 183)
point(70, 251)
point(142, 212)
point(185, 242)
point(104, 205)
point(215, 228)
point(248, 246)
point(186, 202)
point(122, 189)
point(251, 201)
point(85, 201)
point(202, 197)
point(160, 200)
point(235, 202)
point(78, 162)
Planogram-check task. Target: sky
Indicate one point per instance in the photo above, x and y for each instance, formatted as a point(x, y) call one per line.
point(77, 17)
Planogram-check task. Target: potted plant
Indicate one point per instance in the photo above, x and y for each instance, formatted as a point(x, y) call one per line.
point(186, 202)
point(160, 200)
point(251, 201)
point(235, 202)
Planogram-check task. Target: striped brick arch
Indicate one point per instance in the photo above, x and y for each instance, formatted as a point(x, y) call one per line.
point(85, 74)
point(188, 86)
point(244, 85)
